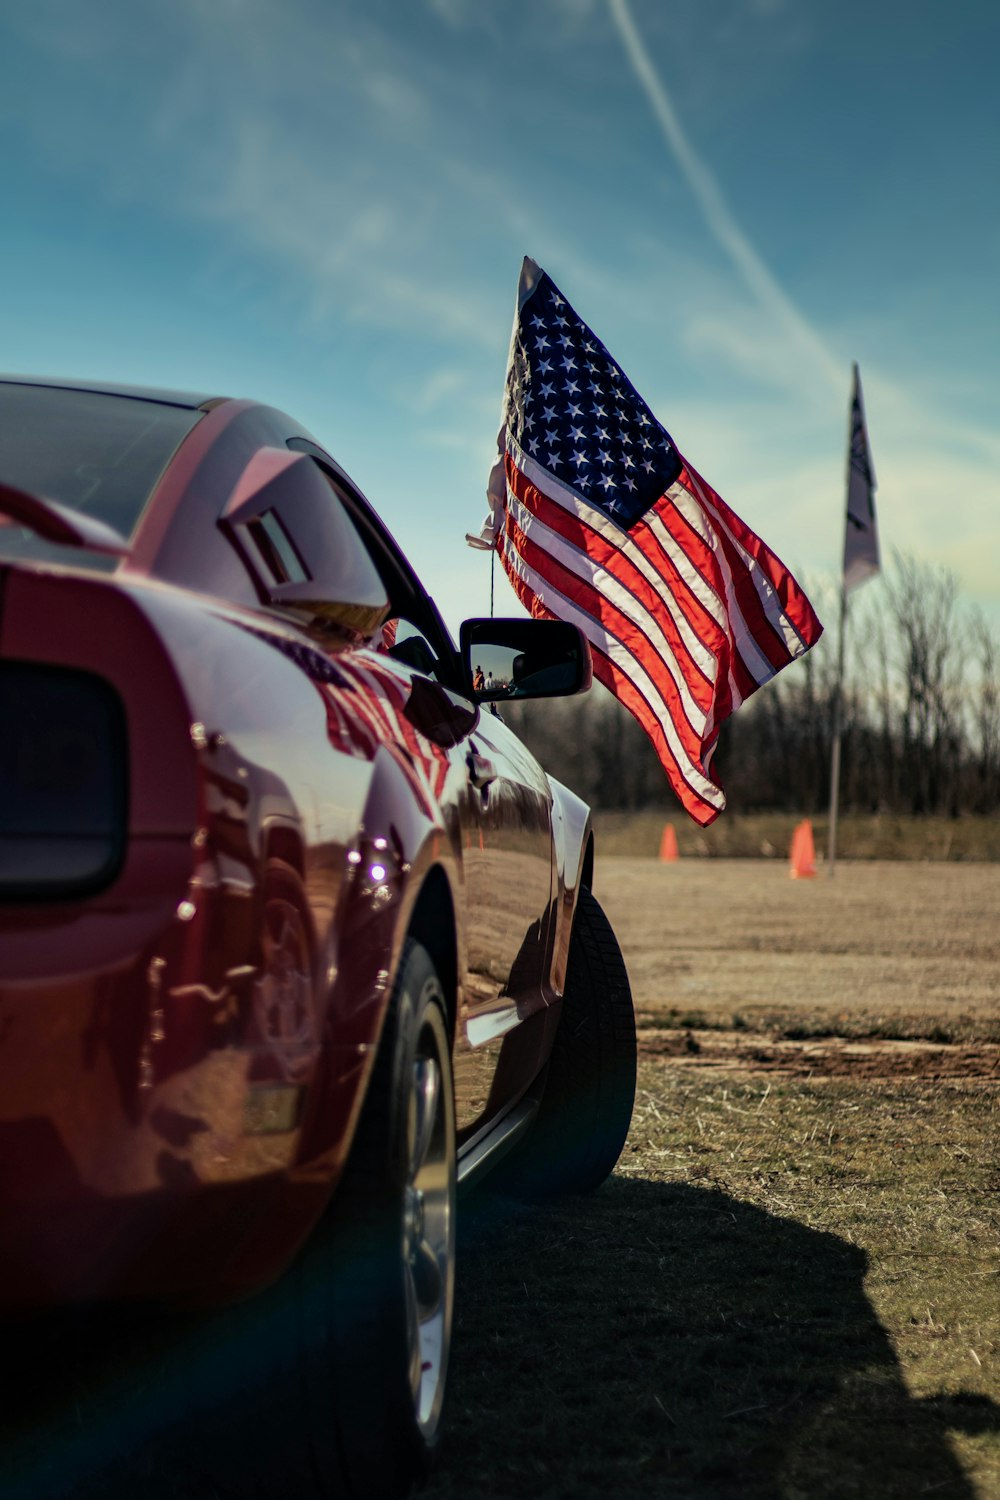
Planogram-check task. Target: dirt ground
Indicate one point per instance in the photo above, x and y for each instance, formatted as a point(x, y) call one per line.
point(885, 970)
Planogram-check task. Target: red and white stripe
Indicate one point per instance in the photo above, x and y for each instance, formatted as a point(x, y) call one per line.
point(372, 712)
point(687, 613)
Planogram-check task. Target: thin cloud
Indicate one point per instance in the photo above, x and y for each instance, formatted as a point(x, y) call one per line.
point(718, 216)
point(454, 12)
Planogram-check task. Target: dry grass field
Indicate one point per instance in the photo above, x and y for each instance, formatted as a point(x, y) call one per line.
point(791, 1285)
point(886, 949)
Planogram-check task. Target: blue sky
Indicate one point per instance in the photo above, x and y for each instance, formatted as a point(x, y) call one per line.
point(324, 204)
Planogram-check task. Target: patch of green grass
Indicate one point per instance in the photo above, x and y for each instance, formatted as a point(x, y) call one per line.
point(786, 1290)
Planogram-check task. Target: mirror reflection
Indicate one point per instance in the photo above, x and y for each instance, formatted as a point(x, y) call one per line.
point(503, 659)
point(506, 672)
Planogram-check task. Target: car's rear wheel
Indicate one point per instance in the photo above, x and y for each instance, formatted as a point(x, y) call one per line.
point(376, 1291)
point(586, 1108)
point(336, 1376)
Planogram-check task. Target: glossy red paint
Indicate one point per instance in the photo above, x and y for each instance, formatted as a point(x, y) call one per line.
point(185, 1052)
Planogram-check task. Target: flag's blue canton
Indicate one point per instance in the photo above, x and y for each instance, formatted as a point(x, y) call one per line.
point(575, 413)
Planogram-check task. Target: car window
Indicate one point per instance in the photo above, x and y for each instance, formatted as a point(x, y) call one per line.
point(92, 451)
point(405, 642)
point(415, 633)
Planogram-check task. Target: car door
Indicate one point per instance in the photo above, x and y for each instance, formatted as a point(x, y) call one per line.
point(497, 809)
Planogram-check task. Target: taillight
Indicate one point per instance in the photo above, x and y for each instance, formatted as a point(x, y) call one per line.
point(63, 782)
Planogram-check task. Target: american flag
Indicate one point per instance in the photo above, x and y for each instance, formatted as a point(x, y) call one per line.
point(861, 552)
point(370, 705)
point(599, 520)
point(370, 702)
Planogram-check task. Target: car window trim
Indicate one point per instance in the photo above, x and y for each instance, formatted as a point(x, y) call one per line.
point(385, 552)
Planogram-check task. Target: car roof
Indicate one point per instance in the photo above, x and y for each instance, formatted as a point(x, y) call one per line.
point(193, 400)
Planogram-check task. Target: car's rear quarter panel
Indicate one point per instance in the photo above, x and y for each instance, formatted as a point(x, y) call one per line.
point(155, 1140)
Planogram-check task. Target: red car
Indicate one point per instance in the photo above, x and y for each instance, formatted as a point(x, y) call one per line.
point(295, 935)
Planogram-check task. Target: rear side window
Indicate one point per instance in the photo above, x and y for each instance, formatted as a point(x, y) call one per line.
point(63, 782)
point(90, 450)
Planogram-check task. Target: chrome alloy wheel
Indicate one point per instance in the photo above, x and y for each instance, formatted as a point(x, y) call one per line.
point(429, 1225)
point(375, 1286)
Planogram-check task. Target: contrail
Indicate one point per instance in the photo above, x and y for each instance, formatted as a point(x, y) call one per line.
point(717, 215)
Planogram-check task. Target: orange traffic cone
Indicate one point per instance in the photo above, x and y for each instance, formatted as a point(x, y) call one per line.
point(803, 853)
point(668, 843)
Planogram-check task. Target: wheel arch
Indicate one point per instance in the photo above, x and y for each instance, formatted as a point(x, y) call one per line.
point(406, 828)
point(587, 867)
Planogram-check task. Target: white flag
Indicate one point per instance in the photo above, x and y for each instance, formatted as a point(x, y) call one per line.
point(861, 557)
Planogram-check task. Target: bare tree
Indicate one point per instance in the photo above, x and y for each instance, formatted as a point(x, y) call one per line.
point(985, 713)
point(920, 713)
point(922, 603)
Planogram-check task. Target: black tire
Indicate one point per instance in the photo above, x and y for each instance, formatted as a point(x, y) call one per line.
point(392, 1259)
point(350, 1401)
point(586, 1107)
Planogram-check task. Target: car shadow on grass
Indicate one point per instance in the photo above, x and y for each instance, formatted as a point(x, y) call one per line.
point(667, 1339)
point(651, 1340)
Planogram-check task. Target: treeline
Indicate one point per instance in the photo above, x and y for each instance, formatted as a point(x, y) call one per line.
point(920, 717)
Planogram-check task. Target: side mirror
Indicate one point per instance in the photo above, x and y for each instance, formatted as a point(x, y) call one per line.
point(508, 659)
